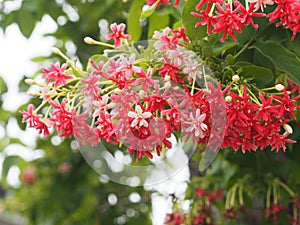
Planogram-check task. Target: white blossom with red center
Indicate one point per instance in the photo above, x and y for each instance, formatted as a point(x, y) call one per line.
point(195, 124)
point(139, 117)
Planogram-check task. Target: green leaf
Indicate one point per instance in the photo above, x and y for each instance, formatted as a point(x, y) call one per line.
point(177, 25)
point(149, 10)
point(189, 22)
point(282, 58)
point(260, 75)
point(294, 45)
point(157, 22)
point(3, 86)
point(220, 47)
point(26, 22)
point(133, 22)
point(30, 6)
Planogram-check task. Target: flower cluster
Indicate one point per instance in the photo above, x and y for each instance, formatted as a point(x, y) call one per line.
point(141, 100)
point(207, 210)
point(230, 17)
point(256, 125)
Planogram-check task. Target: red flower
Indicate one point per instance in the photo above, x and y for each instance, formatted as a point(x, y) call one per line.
point(34, 121)
point(208, 19)
point(287, 12)
point(200, 192)
point(169, 69)
point(228, 21)
point(174, 218)
point(62, 118)
point(273, 211)
point(231, 214)
point(287, 105)
point(208, 2)
point(117, 34)
point(57, 74)
point(247, 15)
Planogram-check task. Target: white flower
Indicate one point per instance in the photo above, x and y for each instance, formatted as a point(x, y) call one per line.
point(139, 117)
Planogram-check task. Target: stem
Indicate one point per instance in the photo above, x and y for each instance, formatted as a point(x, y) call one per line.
point(275, 193)
point(103, 44)
point(268, 203)
point(288, 190)
point(193, 85)
point(245, 47)
point(241, 195)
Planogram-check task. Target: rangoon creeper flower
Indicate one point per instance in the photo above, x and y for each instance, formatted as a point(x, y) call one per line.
point(117, 34)
point(57, 74)
point(196, 125)
point(139, 117)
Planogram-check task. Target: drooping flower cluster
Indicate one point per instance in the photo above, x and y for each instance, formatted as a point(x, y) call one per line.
point(141, 101)
point(230, 17)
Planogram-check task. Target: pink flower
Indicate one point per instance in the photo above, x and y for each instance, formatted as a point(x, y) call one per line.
point(165, 40)
point(91, 87)
point(195, 125)
point(261, 4)
point(102, 105)
point(57, 74)
point(161, 2)
point(145, 80)
point(106, 128)
point(34, 121)
point(117, 34)
point(127, 66)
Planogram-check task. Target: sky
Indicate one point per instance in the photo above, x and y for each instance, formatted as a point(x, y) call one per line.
point(15, 62)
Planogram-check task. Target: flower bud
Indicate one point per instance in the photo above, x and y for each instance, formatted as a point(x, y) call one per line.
point(89, 40)
point(167, 78)
point(55, 50)
point(228, 98)
point(142, 93)
point(167, 85)
point(236, 78)
point(33, 94)
point(279, 87)
point(288, 128)
point(30, 81)
point(117, 91)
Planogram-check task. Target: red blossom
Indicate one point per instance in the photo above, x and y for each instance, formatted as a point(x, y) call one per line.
point(273, 211)
point(34, 121)
point(228, 21)
point(208, 19)
point(61, 118)
point(247, 15)
point(174, 218)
